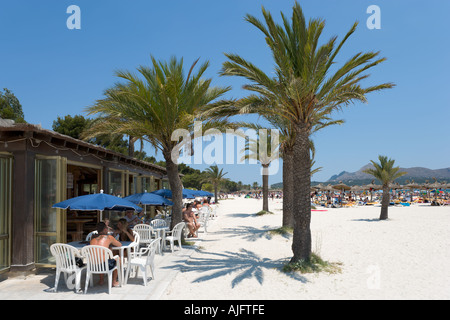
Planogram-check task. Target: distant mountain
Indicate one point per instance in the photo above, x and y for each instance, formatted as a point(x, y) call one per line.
point(418, 174)
point(278, 185)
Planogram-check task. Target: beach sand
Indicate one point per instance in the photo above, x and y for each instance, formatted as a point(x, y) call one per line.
point(405, 257)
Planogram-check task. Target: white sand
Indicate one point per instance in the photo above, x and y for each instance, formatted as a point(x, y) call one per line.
point(405, 257)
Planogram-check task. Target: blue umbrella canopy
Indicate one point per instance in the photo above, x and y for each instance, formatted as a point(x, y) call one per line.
point(148, 198)
point(166, 193)
point(200, 193)
point(97, 201)
point(205, 193)
point(191, 194)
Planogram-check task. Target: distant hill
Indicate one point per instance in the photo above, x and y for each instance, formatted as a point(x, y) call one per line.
point(418, 174)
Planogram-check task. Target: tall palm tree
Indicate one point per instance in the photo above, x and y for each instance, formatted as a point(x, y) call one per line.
point(285, 148)
point(287, 138)
point(386, 173)
point(304, 90)
point(153, 104)
point(265, 152)
point(215, 177)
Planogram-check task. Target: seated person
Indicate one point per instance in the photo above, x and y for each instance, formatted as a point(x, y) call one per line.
point(206, 203)
point(197, 208)
point(123, 232)
point(131, 218)
point(105, 240)
point(197, 205)
point(107, 222)
point(191, 221)
point(142, 219)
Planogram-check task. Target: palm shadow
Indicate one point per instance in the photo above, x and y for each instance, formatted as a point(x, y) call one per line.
point(248, 233)
point(241, 215)
point(368, 220)
point(246, 264)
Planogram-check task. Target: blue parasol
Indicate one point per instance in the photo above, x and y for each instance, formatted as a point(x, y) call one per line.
point(149, 198)
point(166, 193)
point(97, 201)
point(200, 193)
point(203, 193)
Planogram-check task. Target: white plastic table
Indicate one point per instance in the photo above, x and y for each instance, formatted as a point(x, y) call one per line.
point(161, 234)
point(125, 245)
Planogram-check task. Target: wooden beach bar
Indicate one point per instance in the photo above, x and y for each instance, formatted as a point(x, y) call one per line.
point(39, 168)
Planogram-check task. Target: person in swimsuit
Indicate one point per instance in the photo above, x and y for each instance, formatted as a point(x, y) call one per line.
point(191, 221)
point(105, 240)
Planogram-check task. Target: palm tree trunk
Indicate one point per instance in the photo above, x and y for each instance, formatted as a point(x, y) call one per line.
point(176, 187)
point(385, 203)
point(216, 200)
point(301, 242)
point(288, 188)
point(265, 185)
point(131, 141)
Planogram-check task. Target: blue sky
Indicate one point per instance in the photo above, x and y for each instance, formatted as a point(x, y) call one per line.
point(55, 71)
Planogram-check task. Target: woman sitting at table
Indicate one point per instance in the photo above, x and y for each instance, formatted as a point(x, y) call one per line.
point(123, 233)
point(105, 240)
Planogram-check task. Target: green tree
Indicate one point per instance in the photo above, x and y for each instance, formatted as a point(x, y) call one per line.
point(386, 173)
point(215, 177)
point(286, 140)
point(153, 104)
point(193, 180)
point(71, 126)
point(10, 107)
point(208, 187)
point(230, 186)
point(263, 149)
point(74, 126)
point(304, 90)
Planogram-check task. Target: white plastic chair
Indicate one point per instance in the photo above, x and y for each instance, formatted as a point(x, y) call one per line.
point(97, 263)
point(89, 236)
point(65, 262)
point(145, 233)
point(137, 239)
point(143, 261)
point(136, 236)
point(208, 209)
point(158, 223)
point(204, 218)
point(214, 210)
point(175, 235)
point(159, 214)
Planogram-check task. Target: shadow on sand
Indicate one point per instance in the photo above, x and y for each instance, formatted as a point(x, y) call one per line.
point(367, 220)
point(247, 233)
point(244, 263)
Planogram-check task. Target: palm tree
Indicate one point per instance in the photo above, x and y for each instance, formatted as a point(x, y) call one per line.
point(386, 173)
point(264, 152)
point(215, 177)
point(304, 90)
point(154, 103)
point(287, 138)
